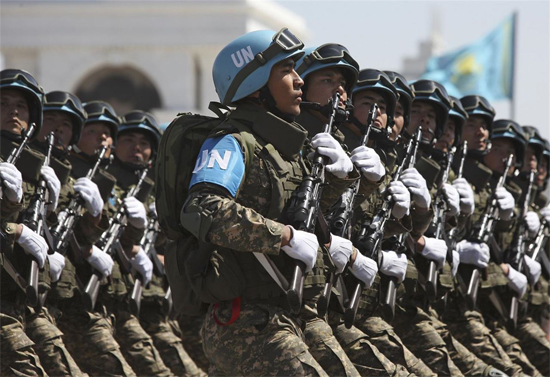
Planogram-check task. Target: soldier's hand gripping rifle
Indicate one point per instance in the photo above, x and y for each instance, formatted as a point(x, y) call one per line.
point(109, 243)
point(484, 234)
point(147, 243)
point(304, 211)
point(516, 252)
point(438, 228)
point(371, 235)
point(538, 244)
point(340, 217)
point(67, 218)
point(452, 235)
point(33, 218)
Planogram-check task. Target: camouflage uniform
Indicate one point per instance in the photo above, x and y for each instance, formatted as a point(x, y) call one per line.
point(264, 318)
point(18, 355)
point(190, 335)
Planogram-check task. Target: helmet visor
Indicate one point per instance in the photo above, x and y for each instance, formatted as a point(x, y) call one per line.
point(95, 109)
point(284, 40)
point(64, 99)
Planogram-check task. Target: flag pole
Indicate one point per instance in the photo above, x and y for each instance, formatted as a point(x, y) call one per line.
point(514, 62)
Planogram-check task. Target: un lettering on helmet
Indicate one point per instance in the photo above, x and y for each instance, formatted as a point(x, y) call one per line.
point(242, 56)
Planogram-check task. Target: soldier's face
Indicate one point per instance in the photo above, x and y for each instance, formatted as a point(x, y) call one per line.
point(95, 135)
point(448, 138)
point(423, 115)
point(398, 121)
point(362, 103)
point(61, 124)
point(496, 159)
point(324, 83)
point(530, 160)
point(14, 111)
point(133, 147)
point(542, 171)
point(285, 87)
point(476, 132)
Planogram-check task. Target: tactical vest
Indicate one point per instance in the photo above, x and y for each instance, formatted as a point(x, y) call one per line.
point(280, 176)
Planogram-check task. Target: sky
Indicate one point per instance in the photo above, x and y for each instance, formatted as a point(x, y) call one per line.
point(379, 34)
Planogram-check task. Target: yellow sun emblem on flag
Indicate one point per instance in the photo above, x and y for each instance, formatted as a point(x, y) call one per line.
point(466, 66)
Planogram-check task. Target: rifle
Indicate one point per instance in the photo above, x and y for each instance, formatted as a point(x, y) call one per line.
point(12, 159)
point(304, 212)
point(369, 240)
point(34, 218)
point(438, 223)
point(484, 235)
point(63, 231)
point(147, 243)
point(109, 243)
point(516, 259)
point(540, 240)
point(340, 218)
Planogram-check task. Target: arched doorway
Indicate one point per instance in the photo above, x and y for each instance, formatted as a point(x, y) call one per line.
point(124, 87)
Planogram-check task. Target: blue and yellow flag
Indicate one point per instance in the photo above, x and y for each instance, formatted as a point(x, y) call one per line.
point(485, 67)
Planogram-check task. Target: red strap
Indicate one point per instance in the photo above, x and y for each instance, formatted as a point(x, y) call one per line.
point(235, 312)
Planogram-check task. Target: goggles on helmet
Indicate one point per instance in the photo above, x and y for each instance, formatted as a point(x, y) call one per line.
point(328, 53)
point(63, 99)
point(96, 109)
point(14, 75)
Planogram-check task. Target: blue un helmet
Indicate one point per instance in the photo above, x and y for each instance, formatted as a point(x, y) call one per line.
point(506, 128)
point(378, 81)
point(23, 81)
point(99, 111)
point(70, 104)
point(535, 141)
point(459, 116)
point(406, 95)
point(142, 121)
point(325, 56)
point(435, 94)
point(478, 105)
point(244, 65)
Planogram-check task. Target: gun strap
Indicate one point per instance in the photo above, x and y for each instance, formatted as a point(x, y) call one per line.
point(495, 299)
point(272, 270)
point(47, 234)
point(16, 276)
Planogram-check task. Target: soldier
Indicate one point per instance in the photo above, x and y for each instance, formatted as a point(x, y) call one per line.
point(63, 116)
point(256, 333)
point(137, 142)
point(89, 334)
point(21, 107)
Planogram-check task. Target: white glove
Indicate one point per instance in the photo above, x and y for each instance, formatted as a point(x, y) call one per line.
point(452, 199)
point(136, 212)
point(364, 269)
point(532, 221)
point(340, 251)
point(435, 250)
point(545, 212)
point(506, 203)
point(53, 184)
point(517, 281)
point(33, 244)
point(303, 247)
point(368, 161)
point(13, 182)
point(473, 253)
point(534, 269)
point(456, 263)
point(143, 265)
point(467, 202)
point(401, 197)
point(89, 192)
point(417, 186)
point(327, 146)
point(101, 261)
point(57, 264)
point(393, 264)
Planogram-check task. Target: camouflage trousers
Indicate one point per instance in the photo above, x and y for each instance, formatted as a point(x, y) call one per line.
point(416, 328)
point(263, 340)
point(42, 329)
point(89, 338)
point(535, 344)
point(511, 346)
point(17, 357)
point(191, 338)
point(166, 336)
point(368, 360)
point(136, 345)
point(468, 327)
point(382, 335)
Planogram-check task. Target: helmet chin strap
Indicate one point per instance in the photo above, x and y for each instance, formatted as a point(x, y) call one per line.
point(341, 116)
point(266, 98)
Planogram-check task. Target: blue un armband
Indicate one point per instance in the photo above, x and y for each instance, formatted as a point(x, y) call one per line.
point(221, 162)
